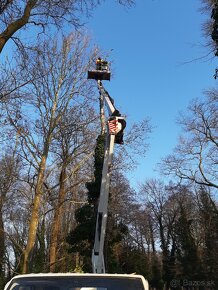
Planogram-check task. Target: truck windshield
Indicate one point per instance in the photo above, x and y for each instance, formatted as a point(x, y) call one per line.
point(76, 283)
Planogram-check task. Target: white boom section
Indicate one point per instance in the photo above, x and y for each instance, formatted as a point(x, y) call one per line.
point(106, 97)
point(98, 265)
point(101, 223)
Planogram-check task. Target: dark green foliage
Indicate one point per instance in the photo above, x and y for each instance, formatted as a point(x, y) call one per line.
point(187, 248)
point(94, 186)
point(115, 234)
point(81, 238)
point(156, 274)
point(209, 220)
point(133, 260)
point(169, 263)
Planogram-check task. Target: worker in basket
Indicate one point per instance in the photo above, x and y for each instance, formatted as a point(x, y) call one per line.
point(101, 64)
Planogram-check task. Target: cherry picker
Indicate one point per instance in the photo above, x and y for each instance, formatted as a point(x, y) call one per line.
point(116, 124)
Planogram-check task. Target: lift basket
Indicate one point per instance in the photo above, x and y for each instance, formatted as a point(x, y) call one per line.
point(99, 75)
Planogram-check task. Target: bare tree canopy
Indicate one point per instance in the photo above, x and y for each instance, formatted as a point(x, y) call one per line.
point(196, 156)
point(42, 113)
point(18, 15)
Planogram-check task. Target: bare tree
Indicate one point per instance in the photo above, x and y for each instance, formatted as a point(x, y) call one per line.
point(164, 211)
point(11, 81)
point(195, 158)
point(59, 82)
point(75, 142)
point(9, 171)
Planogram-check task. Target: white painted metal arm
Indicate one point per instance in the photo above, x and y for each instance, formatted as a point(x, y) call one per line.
point(98, 250)
point(114, 127)
point(107, 98)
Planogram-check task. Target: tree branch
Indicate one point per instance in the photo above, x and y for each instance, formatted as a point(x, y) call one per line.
point(17, 24)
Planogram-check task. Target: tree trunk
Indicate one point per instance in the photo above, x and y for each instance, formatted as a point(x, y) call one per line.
point(34, 220)
point(152, 236)
point(56, 226)
point(17, 24)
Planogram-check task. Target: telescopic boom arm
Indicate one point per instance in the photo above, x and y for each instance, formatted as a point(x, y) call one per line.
point(116, 125)
point(107, 98)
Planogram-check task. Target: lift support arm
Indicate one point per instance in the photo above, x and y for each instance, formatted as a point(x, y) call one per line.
point(98, 264)
point(116, 125)
point(98, 250)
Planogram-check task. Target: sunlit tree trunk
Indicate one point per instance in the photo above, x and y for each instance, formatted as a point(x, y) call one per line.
point(34, 220)
point(56, 226)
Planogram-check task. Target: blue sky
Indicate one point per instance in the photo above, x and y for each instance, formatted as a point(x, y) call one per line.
point(155, 72)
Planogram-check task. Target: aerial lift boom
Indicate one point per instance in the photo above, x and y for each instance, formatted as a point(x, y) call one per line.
point(116, 125)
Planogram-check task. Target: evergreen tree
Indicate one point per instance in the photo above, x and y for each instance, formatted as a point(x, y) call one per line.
point(133, 260)
point(156, 280)
point(187, 250)
point(209, 222)
point(113, 245)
